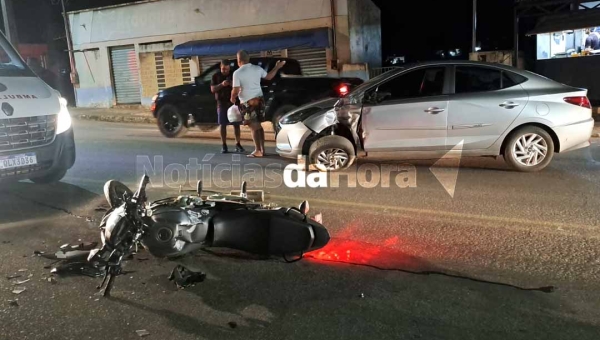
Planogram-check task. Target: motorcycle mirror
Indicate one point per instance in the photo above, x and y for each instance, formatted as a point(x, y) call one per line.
point(199, 188)
point(304, 207)
point(243, 191)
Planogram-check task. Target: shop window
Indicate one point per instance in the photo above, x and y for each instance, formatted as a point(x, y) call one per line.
point(571, 43)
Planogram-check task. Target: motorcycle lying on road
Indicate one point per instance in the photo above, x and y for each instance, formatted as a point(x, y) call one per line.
point(172, 227)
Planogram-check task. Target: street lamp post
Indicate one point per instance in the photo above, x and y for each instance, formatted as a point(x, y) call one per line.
point(474, 36)
point(74, 77)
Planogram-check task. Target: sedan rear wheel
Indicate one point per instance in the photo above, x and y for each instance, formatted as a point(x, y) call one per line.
point(529, 149)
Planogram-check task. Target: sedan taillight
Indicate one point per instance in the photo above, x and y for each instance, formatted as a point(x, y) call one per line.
point(579, 101)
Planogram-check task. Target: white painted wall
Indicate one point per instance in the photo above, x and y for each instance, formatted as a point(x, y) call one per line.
point(172, 22)
point(170, 17)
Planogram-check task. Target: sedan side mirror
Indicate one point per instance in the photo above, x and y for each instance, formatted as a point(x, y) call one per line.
point(198, 81)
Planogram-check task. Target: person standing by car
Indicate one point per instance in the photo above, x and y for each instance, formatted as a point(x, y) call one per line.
point(246, 86)
point(220, 85)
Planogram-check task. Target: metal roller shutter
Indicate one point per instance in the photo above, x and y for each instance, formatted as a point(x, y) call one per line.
point(126, 75)
point(312, 60)
point(208, 61)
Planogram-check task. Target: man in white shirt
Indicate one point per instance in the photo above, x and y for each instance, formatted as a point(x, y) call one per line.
point(246, 86)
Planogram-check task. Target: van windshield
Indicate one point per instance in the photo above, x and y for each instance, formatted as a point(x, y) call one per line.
point(11, 63)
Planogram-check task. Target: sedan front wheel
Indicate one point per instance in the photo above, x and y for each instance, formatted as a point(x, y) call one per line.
point(529, 149)
point(332, 153)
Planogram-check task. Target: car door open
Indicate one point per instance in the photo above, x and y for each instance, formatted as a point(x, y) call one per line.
point(408, 112)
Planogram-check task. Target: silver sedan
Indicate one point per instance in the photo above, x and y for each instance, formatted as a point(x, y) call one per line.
point(471, 108)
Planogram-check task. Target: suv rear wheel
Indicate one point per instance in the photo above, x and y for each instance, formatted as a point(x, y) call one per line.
point(171, 122)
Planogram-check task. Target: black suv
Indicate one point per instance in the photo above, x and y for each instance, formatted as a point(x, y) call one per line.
point(180, 107)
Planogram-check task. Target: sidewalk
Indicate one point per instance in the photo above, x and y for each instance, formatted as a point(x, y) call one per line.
point(142, 115)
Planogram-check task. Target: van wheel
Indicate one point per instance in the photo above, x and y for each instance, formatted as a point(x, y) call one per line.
point(529, 149)
point(53, 177)
point(280, 113)
point(171, 122)
point(332, 153)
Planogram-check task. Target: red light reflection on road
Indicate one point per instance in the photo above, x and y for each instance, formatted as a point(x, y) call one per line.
point(363, 253)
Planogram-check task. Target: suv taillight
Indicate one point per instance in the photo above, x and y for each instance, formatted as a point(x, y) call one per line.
point(153, 104)
point(343, 89)
point(579, 101)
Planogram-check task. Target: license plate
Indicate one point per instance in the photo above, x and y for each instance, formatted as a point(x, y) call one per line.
point(16, 161)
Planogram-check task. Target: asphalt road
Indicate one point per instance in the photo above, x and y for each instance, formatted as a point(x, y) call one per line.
point(404, 262)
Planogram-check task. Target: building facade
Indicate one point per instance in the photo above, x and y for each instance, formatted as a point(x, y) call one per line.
point(125, 54)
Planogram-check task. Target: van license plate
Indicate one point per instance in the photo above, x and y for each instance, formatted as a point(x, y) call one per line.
point(16, 161)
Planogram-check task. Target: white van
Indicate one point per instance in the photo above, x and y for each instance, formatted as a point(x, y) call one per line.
point(36, 137)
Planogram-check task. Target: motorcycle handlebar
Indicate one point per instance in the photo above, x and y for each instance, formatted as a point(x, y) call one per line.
point(141, 192)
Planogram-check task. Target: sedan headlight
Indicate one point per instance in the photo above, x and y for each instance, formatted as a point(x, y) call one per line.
point(299, 116)
point(331, 117)
point(64, 118)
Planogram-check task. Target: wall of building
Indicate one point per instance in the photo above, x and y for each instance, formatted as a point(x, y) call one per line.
point(582, 72)
point(171, 17)
point(94, 89)
point(164, 24)
point(364, 25)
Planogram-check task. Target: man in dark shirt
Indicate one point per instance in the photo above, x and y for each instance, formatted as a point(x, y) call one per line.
point(593, 40)
point(221, 87)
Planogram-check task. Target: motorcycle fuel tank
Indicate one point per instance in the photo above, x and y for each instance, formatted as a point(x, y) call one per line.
point(173, 231)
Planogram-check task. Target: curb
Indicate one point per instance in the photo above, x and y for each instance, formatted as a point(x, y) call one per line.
point(149, 120)
point(117, 119)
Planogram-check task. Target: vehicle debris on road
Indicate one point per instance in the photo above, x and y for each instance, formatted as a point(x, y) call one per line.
point(21, 282)
point(142, 333)
point(78, 268)
point(185, 277)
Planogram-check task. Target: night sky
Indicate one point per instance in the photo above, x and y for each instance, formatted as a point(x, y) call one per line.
point(414, 29)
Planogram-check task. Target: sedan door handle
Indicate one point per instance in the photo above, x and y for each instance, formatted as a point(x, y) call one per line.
point(434, 110)
point(509, 105)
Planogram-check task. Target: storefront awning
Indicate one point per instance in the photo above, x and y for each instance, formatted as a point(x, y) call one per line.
point(318, 38)
point(567, 21)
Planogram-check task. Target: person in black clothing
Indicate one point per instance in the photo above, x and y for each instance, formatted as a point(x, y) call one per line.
point(593, 40)
point(221, 87)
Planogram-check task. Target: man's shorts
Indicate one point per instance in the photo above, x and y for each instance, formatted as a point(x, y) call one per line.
point(222, 115)
point(253, 111)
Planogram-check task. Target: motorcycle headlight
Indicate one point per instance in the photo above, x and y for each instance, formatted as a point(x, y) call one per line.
point(64, 118)
point(299, 115)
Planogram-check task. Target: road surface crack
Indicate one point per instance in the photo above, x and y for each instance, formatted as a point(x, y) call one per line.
point(49, 206)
